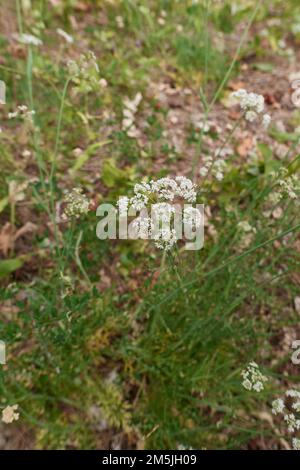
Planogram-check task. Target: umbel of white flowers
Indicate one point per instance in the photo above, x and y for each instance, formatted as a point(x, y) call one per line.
point(253, 378)
point(160, 193)
point(253, 106)
point(287, 410)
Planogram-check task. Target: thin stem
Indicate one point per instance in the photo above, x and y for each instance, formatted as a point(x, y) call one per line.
point(19, 16)
point(78, 260)
point(225, 79)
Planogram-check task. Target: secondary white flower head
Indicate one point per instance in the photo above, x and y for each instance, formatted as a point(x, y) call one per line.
point(77, 204)
point(165, 239)
point(251, 116)
point(250, 101)
point(266, 120)
point(9, 414)
point(293, 393)
point(286, 185)
point(296, 443)
point(129, 112)
point(216, 167)
point(22, 112)
point(292, 422)
point(253, 106)
point(253, 378)
point(244, 226)
point(278, 406)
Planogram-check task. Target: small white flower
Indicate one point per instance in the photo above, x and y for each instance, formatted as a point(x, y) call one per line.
point(23, 112)
point(26, 153)
point(77, 204)
point(247, 384)
point(103, 83)
point(161, 21)
point(162, 211)
point(278, 406)
point(258, 386)
point(203, 171)
point(29, 40)
point(120, 22)
point(246, 227)
point(296, 406)
point(251, 116)
point(67, 37)
point(85, 72)
point(296, 443)
point(292, 423)
point(129, 112)
point(253, 378)
point(266, 120)
point(292, 393)
point(143, 226)
point(9, 414)
point(219, 176)
point(253, 105)
point(165, 239)
point(139, 201)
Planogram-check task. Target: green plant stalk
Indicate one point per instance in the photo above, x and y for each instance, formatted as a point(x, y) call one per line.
point(224, 81)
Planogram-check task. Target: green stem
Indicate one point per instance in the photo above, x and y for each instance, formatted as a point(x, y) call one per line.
point(19, 16)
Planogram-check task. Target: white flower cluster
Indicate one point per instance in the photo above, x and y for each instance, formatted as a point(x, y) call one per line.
point(253, 106)
point(85, 72)
point(296, 443)
point(286, 186)
point(22, 112)
point(245, 227)
point(215, 167)
point(292, 422)
point(29, 40)
point(253, 378)
point(77, 204)
point(9, 414)
point(278, 406)
point(160, 193)
point(166, 189)
point(165, 239)
point(129, 112)
point(246, 234)
point(120, 22)
point(67, 37)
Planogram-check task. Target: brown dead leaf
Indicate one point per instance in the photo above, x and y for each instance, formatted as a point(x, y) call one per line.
point(296, 278)
point(234, 114)
point(297, 304)
point(236, 85)
point(8, 310)
point(6, 238)
point(27, 228)
point(9, 235)
point(82, 6)
point(17, 51)
point(245, 146)
point(270, 99)
point(277, 244)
